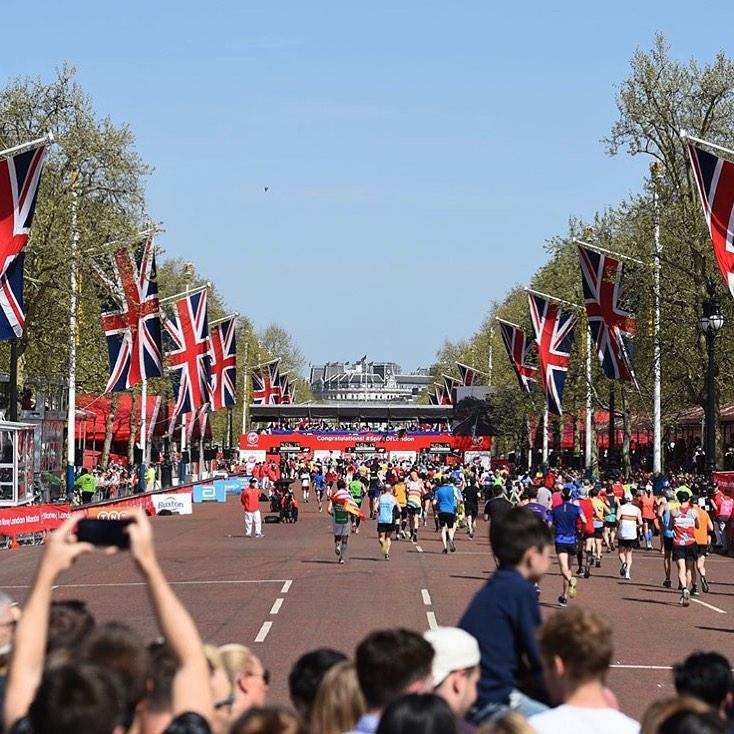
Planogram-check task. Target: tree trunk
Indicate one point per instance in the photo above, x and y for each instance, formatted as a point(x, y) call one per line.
point(104, 460)
point(627, 434)
point(134, 424)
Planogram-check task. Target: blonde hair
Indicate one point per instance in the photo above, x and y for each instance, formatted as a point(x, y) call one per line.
point(235, 659)
point(267, 720)
point(509, 723)
point(659, 712)
point(213, 657)
point(339, 701)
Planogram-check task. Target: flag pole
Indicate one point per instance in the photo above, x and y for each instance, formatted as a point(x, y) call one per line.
point(596, 248)
point(685, 136)
point(554, 299)
point(246, 373)
point(657, 464)
point(589, 404)
point(490, 356)
point(47, 138)
point(545, 437)
point(71, 401)
point(504, 321)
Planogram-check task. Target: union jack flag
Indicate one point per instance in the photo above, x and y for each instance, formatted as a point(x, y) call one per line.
point(518, 347)
point(715, 179)
point(467, 374)
point(451, 384)
point(20, 176)
point(223, 357)
point(554, 337)
point(188, 358)
point(285, 387)
point(131, 316)
point(266, 384)
point(611, 326)
point(433, 398)
point(442, 398)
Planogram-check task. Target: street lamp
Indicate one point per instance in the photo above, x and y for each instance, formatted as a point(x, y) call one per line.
point(711, 322)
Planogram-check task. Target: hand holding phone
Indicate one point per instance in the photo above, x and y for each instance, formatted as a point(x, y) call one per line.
point(108, 533)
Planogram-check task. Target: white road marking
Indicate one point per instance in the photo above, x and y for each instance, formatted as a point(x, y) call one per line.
point(277, 605)
point(418, 548)
point(426, 597)
point(432, 623)
point(708, 606)
point(643, 667)
point(172, 583)
point(286, 586)
point(263, 633)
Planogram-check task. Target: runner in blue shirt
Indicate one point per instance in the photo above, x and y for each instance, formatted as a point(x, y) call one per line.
point(565, 519)
point(444, 499)
point(386, 506)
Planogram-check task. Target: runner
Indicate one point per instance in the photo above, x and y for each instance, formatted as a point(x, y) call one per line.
point(427, 498)
point(318, 483)
point(305, 483)
point(414, 487)
point(586, 532)
point(601, 509)
point(356, 489)
point(667, 534)
point(340, 523)
point(402, 499)
point(564, 518)
point(684, 521)
point(373, 493)
point(445, 501)
point(386, 509)
point(610, 521)
point(630, 522)
point(703, 530)
point(471, 505)
point(647, 505)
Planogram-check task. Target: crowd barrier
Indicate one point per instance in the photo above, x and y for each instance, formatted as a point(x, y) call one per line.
point(28, 525)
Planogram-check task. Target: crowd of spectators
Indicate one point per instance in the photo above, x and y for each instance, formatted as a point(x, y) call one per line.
point(308, 426)
point(500, 671)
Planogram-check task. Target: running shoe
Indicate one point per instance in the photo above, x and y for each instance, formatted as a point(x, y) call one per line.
point(387, 556)
point(587, 572)
point(562, 601)
point(341, 560)
point(627, 575)
point(572, 587)
point(685, 598)
point(453, 546)
point(694, 590)
point(445, 551)
point(259, 535)
point(667, 583)
point(580, 571)
point(623, 570)
point(598, 563)
point(704, 585)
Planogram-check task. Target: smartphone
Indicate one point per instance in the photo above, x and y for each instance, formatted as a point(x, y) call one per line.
point(103, 532)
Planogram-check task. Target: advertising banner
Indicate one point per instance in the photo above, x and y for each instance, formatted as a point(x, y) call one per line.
point(401, 456)
point(214, 492)
point(233, 485)
point(725, 480)
point(252, 456)
point(478, 457)
point(16, 521)
point(178, 503)
point(321, 455)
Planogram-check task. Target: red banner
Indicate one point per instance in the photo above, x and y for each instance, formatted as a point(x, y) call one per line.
point(725, 480)
point(16, 521)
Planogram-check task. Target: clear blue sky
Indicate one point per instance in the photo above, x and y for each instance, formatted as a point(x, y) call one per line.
point(417, 154)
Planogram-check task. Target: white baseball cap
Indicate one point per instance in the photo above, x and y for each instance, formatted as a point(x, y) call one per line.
point(454, 650)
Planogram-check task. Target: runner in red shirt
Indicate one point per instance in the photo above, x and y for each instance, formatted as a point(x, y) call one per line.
point(647, 505)
point(587, 533)
point(684, 522)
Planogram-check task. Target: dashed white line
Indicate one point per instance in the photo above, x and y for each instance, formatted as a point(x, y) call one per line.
point(432, 623)
point(277, 605)
point(142, 583)
point(286, 586)
point(263, 633)
point(708, 606)
point(419, 549)
point(426, 597)
point(642, 667)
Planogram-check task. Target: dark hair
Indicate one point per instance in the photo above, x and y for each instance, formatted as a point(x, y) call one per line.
point(77, 697)
point(388, 661)
point(426, 713)
point(162, 671)
point(306, 675)
point(531, 493)
point(118, 648)
point(520, 530)
point(682, 496)
point(341, 484)
point(267, 720)
point(690, 722)
point(582, 639)
point(69, 622)
point(705, 676)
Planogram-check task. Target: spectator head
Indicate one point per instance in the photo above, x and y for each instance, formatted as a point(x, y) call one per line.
point(247, 676)
point(119, 649)
point(339, 701)
point(531, 493)
point(418, 712)
point(455, 667)
point(706, 676)
point(155, 712)
point(576, 647)
point(78, 697)
point(267, 720)
point(522, 540)
point(221, 689)
point(681, 715)
point(69, 622)
point(306, 675)
point(8, 618)
point(391, 663)
point(509, 723)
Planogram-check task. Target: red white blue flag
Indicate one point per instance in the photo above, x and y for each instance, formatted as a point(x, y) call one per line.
point(130, 316)
point(285, 389)
point(266, 384)
point(451, 385)
point(20, 176)
point(554, 337)
point(188, 358)
point(611, 326)
point(518, 347)
point(223, 358)
point(715, 179)
point(468, 375)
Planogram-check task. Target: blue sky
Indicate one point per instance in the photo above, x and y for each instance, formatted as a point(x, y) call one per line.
point(417, 154)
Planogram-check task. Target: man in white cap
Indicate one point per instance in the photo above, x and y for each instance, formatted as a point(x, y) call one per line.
point(455, 669)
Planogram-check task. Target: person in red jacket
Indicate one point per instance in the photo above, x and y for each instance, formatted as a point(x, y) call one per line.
point(250, 500)
point(586, 531)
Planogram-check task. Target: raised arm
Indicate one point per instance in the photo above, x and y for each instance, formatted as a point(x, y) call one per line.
point(191, 690)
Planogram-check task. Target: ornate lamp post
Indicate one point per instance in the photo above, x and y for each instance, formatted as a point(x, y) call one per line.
point(711, 322)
